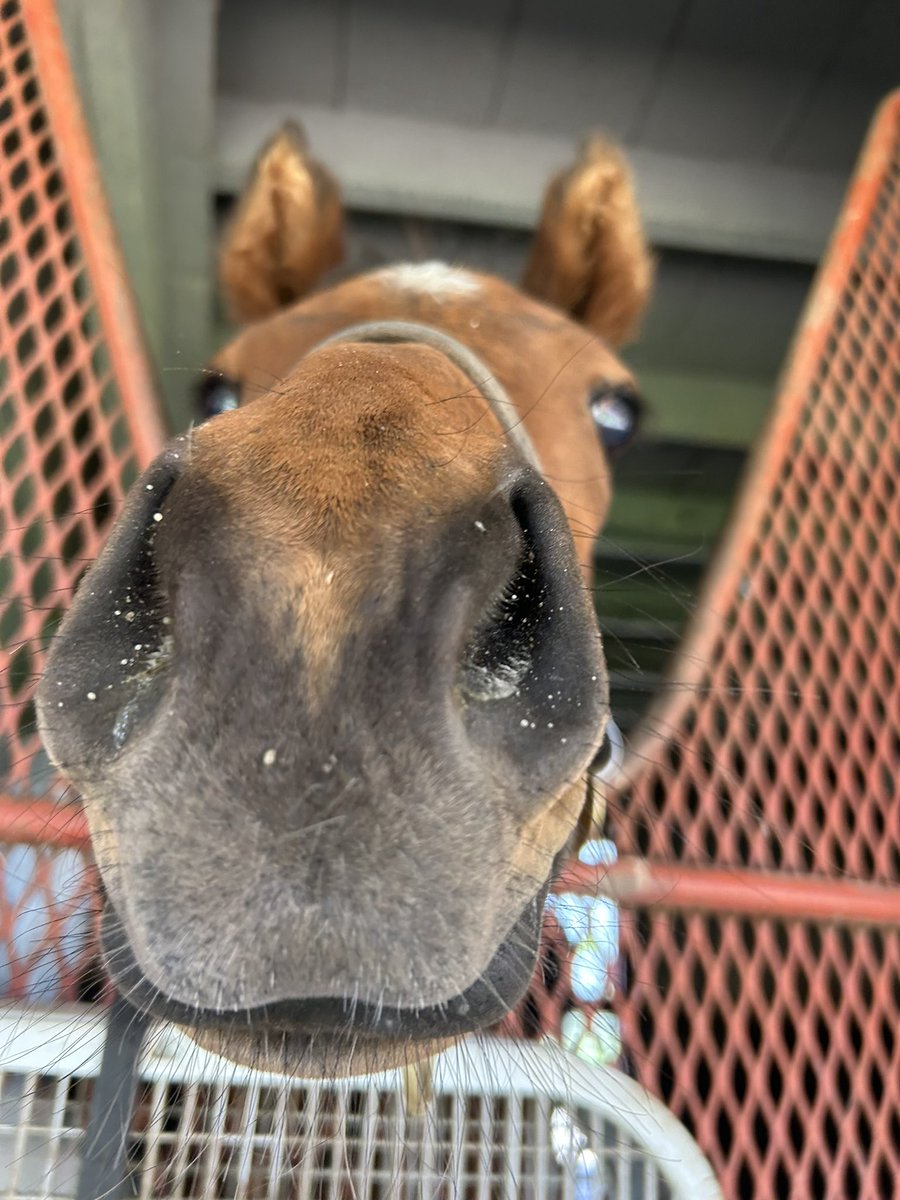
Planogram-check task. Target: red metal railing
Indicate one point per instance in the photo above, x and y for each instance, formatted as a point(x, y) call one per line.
point(78, 420)
point(759, 815)
point(761, 810)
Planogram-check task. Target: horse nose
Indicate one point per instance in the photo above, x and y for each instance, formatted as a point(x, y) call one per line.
point(530, 674)
point(491, 627)
point(113, 635)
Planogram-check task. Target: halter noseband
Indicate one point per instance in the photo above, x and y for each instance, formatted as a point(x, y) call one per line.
point(461, 356)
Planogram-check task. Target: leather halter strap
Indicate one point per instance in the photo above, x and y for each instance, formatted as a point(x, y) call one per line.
point(461, 356)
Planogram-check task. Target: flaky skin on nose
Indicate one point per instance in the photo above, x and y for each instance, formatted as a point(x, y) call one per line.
point(394, 758)
point(347, 698)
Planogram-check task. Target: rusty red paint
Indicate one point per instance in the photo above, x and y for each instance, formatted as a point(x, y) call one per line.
point(766, 1017)
point(760, 817)
point(43, 823)
point(759, 814)
point(78, 419)
point(732, 891)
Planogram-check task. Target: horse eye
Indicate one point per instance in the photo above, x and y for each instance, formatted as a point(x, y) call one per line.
point(617, 414)
point(216, 393)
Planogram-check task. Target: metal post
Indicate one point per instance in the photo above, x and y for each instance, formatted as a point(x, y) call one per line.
point(103, 1166)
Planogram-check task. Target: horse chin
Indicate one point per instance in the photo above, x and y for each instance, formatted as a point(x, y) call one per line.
point(330, 1038)
point(315, 1056)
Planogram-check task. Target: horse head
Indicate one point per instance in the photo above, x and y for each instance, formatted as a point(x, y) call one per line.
point(330, 691)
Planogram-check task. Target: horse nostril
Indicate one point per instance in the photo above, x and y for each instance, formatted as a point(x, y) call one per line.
point(113, 644)
point(531, 677)
point(499, 655)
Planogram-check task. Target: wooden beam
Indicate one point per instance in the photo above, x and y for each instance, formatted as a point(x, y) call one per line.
point(183, 54)
point(669, 515)
point(146, 75)
point(711, 410)
point(428, 168)
point(107, 48)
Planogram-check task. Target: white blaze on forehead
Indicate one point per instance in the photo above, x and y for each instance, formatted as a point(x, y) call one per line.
point(436, 279)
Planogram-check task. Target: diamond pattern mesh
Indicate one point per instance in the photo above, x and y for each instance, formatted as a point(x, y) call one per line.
point(70, 400)
point(774, 1039)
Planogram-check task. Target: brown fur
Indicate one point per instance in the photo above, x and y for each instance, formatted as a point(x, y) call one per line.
point(340, 491)
point(547, 364)
point(287, 231)
point(589, 256)
point(324, 833)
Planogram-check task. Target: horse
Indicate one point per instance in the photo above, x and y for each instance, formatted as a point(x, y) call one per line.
point(332, 688)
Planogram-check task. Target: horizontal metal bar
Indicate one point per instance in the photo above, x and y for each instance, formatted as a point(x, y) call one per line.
point(638, 883)
point(41, 822)
point(632, 882)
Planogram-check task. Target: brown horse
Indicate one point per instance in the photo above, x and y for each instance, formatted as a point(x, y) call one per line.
point(331, 689)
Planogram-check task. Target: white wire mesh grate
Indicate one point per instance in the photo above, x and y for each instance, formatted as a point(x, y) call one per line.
point(506, 1122)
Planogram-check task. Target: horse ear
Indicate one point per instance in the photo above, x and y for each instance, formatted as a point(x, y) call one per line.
point(286, 233)
point(589, 255)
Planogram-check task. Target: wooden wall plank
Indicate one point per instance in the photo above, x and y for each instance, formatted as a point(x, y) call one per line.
point(411, 166)
point(711, 410)
point(270, 50)
point(577, 65)
point(437, 61)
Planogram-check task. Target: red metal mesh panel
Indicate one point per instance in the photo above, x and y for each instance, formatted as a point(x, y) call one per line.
point(773, 1038)
point(77, 421)
point(776, 1039)
point(777, 1043)
point(540, 1013)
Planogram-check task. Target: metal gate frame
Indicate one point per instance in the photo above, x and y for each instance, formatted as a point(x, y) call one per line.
point(708, 1024)
point(759, 809)
point(78, 421)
